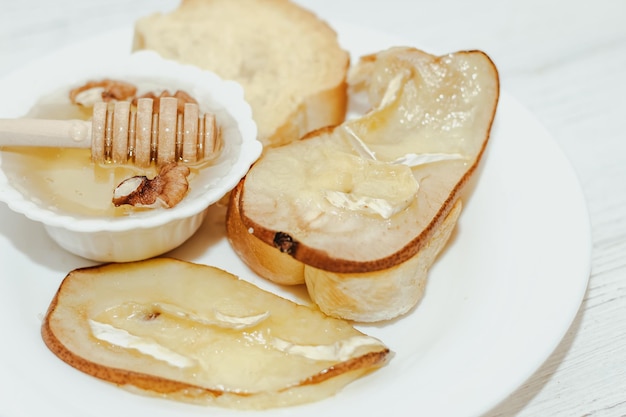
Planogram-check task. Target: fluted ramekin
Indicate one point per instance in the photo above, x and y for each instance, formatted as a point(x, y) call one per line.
point(146, 233)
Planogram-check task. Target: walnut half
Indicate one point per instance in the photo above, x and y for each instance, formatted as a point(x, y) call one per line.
point(104, 90)
point(165, 190)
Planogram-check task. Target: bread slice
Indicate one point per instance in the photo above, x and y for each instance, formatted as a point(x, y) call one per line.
point(360, 211)
point(196, 333)
point(288, 61)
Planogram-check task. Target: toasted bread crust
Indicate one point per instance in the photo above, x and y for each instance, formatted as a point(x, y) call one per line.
point(367, 296)
point(263, 258)
point(384, 294)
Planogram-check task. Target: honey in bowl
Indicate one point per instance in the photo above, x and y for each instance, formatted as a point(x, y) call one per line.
point(66, 179)
point(74, 213)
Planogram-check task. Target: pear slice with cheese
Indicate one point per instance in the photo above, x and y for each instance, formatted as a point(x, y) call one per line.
point(197, 333)
point(360, 211)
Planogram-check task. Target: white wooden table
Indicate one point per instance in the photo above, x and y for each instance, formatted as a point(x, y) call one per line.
point(564, 60)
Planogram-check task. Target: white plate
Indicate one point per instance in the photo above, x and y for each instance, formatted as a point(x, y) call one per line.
point(498, 301)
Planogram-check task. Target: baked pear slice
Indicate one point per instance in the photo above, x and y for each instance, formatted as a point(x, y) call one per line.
point(196, 333)
point(360, 211)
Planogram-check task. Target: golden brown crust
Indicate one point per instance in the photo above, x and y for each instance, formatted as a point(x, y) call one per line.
point(368, 296)
point(379, 295)
point(264, 259)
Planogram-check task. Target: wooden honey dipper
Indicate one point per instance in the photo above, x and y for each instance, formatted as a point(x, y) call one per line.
point(120, 134)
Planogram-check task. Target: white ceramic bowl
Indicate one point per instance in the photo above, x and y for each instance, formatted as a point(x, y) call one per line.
point(146, 233)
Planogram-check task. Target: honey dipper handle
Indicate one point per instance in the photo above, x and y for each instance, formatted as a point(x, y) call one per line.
point(45, 133)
